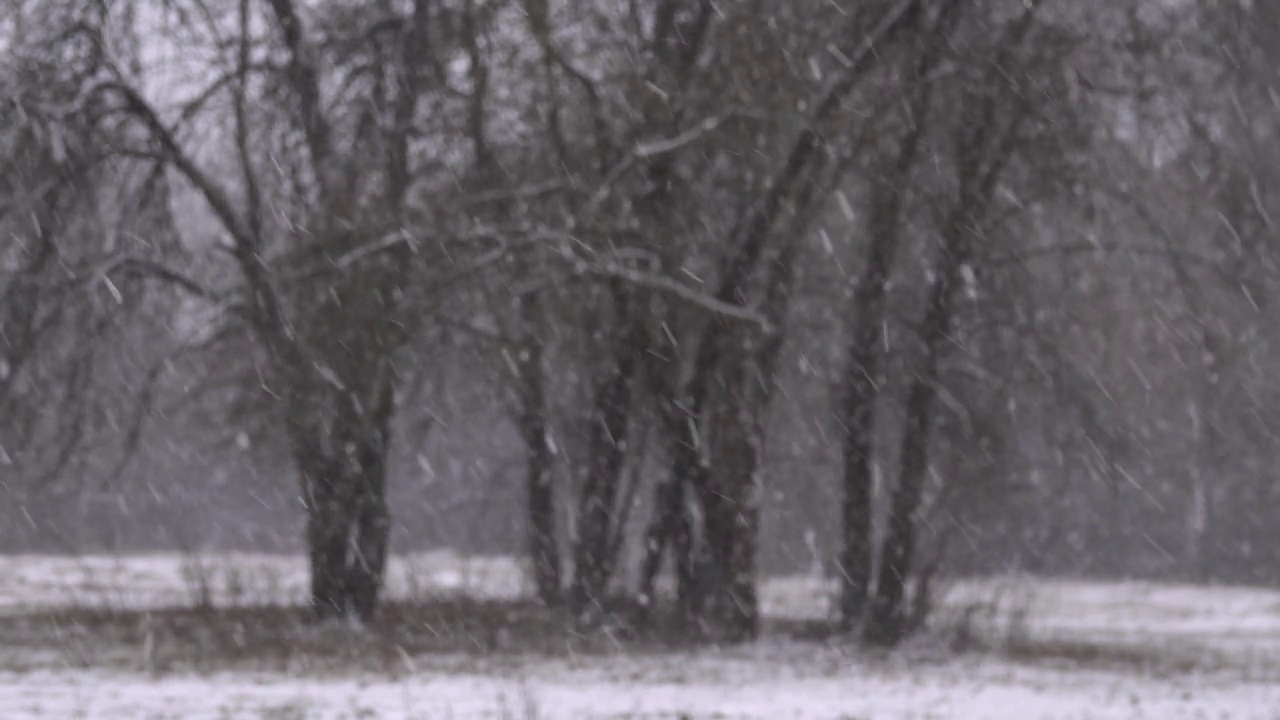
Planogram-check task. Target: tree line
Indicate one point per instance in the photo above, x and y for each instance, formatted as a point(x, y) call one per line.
point(1034, 236)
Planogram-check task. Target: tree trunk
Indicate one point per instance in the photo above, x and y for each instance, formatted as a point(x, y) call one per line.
point(348, 526)
point(699, 576)
point(599, 492)
point(544, 553)
point(731, 511)
point(730, 493)
point(865, 361)
point(671, 525)
point(344, 491)
point(373, 533)
point(862, 383)
point(607, 448)
point(328, 525)
point(886, 623)
point(732, 530)
point(666, 513)
point(985, 138)
point(887, 620)
point(862, 378)
point(1207, 440)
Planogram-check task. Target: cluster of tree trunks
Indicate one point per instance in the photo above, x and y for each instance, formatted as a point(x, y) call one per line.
point(900, 89)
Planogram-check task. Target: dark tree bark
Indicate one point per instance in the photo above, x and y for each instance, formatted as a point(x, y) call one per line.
point(667, 510)
point(347, 532)
point(327, 528)
point(373, 528)
point(670, 527)
point(348, 521)
point(726, 494)
point(865, 361)
point(736, 392)
point(863, 378)
point(886, 623)
point(986, 132)
point(607, 453)
point(740, 366)
point(979, 165)
point(672, 524)
point(544, 552)
point(678, 38)
point(732, 515)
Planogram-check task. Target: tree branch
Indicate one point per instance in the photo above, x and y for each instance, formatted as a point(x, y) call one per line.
point(683, 292)
point(306, 83)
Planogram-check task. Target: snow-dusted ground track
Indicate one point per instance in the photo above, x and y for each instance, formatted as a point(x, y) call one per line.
point(1059, 649)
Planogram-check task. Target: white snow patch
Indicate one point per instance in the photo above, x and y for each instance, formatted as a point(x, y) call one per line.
point(1236, 631)
point(766, 684)
point(140, 582)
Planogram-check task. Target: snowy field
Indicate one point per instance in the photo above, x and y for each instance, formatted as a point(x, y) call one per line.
point(133, 582)
point(1060, 650)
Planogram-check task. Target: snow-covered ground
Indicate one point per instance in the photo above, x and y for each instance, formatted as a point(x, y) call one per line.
point(1187, 652)
point(766, 683)
point(176, 580)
